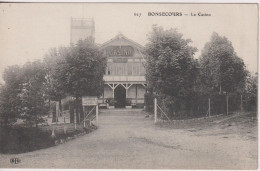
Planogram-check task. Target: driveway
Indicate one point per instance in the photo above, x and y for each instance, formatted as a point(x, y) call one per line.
point(126, 139)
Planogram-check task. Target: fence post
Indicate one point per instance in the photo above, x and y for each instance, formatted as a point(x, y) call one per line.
point(227, 104)
point(155, 110)
point(75, 119)
point(209, 107)
point(79, 115)
point(53, 133)
point(84, 121)
point(97, 114)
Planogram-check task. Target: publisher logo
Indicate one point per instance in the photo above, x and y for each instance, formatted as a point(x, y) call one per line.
point(15, 160)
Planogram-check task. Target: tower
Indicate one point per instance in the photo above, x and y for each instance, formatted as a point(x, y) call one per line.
point(81, 28)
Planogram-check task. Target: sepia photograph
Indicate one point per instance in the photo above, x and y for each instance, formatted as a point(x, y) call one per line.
point(129, 85)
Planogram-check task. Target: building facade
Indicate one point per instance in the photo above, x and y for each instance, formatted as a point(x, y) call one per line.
point(125, 74)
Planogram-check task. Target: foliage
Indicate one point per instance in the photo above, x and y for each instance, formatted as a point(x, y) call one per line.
point(128, 102)
point(81, 71)
point(32, 95)
point(221, 69)
point(23, 95)
point(251, 92)
point(21, 139)
point(54, 86)
point(10, 102)
point(171, 68)
point(184, 85)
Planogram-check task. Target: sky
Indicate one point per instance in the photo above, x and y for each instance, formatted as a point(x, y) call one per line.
point(29, 30)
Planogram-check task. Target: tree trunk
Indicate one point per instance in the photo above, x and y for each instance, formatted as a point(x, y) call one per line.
point(49, 107)
point(227, 104)
point(71, 109)
point(241, 103)
point(60, 107)
point(6, 121)
point(77, 110)
point(81, 111)
point(209, 107)
point(54, 116)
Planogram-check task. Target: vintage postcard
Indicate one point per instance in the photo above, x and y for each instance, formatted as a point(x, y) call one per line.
point(128, 86)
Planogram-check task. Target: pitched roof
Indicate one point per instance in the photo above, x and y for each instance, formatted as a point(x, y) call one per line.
point(121, 37)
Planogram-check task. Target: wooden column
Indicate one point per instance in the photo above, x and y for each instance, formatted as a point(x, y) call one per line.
point(113, 92)
point(136, 93)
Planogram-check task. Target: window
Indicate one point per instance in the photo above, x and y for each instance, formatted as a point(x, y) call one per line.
point(129, 68)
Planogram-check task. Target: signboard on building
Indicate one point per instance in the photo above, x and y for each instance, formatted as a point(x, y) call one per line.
point(89, 100)
point(120, 60)
point(119, 51)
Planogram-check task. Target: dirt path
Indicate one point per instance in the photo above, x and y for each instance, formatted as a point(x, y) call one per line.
point(126, 139)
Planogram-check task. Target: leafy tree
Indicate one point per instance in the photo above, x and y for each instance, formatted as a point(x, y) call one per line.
point(171, 69)
point(33, 95)
point(251, 92)
point(221, 69)
point(10, 102)
point(54, 86)
point(81, 71)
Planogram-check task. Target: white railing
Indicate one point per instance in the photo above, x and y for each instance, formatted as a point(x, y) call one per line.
point(124, 78)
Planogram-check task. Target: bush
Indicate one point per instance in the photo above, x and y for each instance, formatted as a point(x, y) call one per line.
point(111, 101)
point(24, 139)
point(128, 102)
point(20, 140)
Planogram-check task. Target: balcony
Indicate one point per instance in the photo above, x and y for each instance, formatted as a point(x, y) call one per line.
point(124, 78)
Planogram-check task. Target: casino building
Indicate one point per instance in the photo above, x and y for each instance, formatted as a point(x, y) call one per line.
point(125, 74)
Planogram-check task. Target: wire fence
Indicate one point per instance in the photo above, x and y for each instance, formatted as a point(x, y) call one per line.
point(200, 106)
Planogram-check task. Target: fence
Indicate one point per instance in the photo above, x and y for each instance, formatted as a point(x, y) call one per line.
point(62, 128)
point(199, 106)
point(86, 121)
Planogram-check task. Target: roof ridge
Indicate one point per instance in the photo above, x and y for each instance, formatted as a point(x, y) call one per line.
point(120, 36)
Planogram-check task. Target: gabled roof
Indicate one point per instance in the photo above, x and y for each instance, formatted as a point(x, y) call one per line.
point(121, 37)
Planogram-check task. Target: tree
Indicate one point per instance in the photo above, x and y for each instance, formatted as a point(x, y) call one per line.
point(54, 86)
point(81, 71)
point(10, 101)
point(171, 69)
point(251, 92)
point(32, 94)
point(221, 69)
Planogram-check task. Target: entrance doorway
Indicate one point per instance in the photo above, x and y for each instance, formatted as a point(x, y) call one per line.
point(120, 96)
